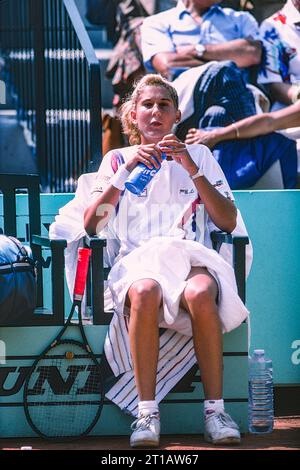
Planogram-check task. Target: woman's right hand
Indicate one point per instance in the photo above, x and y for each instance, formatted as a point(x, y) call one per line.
point(145, 154)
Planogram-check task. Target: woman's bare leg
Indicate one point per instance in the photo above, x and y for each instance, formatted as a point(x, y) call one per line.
point(144, 298)
point(199, 299)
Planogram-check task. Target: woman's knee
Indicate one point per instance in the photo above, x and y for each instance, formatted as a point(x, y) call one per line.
point(144, 292)
point(200, 296)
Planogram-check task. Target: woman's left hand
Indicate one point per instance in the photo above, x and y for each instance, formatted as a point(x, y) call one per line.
point(173, 147)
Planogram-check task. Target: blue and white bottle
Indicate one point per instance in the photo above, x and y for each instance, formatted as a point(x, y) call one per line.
point(140, 176)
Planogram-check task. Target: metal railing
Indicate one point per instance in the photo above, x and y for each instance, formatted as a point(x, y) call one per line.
point(54, 77)
point(18, 53)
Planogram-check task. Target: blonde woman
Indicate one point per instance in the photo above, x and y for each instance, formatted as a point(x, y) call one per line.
point(161, 273)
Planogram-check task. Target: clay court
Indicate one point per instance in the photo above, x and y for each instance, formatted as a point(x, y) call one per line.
point(286, 436)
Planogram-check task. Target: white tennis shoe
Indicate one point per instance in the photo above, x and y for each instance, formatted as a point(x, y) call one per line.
point(220, 429)
point(146, 431)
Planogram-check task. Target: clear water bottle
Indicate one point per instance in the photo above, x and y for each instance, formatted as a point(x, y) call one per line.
point(140, 176)
point(260, 411)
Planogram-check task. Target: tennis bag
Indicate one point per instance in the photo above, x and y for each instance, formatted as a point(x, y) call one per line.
point(17, 282)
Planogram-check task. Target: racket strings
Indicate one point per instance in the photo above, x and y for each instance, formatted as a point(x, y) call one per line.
point(64, 392)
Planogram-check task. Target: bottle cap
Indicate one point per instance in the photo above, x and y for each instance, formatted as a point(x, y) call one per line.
point(259, 352)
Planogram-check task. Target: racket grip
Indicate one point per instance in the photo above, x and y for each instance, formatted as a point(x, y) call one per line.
point(81, 272)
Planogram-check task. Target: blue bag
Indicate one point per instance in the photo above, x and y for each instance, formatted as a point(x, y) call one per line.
point(17, 282)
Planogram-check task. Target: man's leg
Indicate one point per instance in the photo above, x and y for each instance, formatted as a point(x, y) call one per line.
point(220, 98)
point(223, 85)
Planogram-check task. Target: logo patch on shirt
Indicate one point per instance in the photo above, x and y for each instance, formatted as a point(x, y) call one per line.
point(186, 191)
point(280, 17)
point(106, 179)
point(101, 183)
point(97, 189)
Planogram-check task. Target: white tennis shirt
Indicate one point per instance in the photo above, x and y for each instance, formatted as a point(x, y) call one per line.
point(169, 206)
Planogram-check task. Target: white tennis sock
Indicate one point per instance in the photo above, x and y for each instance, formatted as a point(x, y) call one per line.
point(148, 407)
point(213, 406)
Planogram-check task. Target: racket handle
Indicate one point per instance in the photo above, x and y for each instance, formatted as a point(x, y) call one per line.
point(81, 272)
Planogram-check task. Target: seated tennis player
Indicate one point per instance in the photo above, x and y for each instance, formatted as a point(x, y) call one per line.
point(166, 273)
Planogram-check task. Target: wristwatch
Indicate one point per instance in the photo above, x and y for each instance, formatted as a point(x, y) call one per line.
point(196, 175)
point(200, 49)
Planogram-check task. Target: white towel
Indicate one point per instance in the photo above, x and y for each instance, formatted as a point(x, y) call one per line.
point(168, 261)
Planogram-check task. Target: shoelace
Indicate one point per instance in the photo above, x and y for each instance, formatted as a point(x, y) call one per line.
point(225, 420)
point(144, 421)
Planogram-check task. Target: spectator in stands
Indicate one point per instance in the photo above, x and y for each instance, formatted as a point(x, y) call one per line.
point(126, 63)
point(196, 32)
point(281, 63)
point(161, 262)
point(203, 45)
point(246, 160)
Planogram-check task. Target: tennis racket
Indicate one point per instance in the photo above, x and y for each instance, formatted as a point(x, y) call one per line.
point(63, 392)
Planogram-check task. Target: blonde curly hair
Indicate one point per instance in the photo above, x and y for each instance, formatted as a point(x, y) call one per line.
point(129, 128)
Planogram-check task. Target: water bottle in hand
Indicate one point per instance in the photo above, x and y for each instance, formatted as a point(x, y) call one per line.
point(140, 176)
point(260, 412)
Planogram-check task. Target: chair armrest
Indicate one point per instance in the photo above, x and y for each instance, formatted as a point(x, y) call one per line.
point(238, 256)
point(220, 237)
point(94, 241)
point(57, 248)
point(99, 275)
point(47, 242)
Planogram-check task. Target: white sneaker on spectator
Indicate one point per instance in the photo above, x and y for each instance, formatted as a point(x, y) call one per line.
point(146, 431)
point(220, 428)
